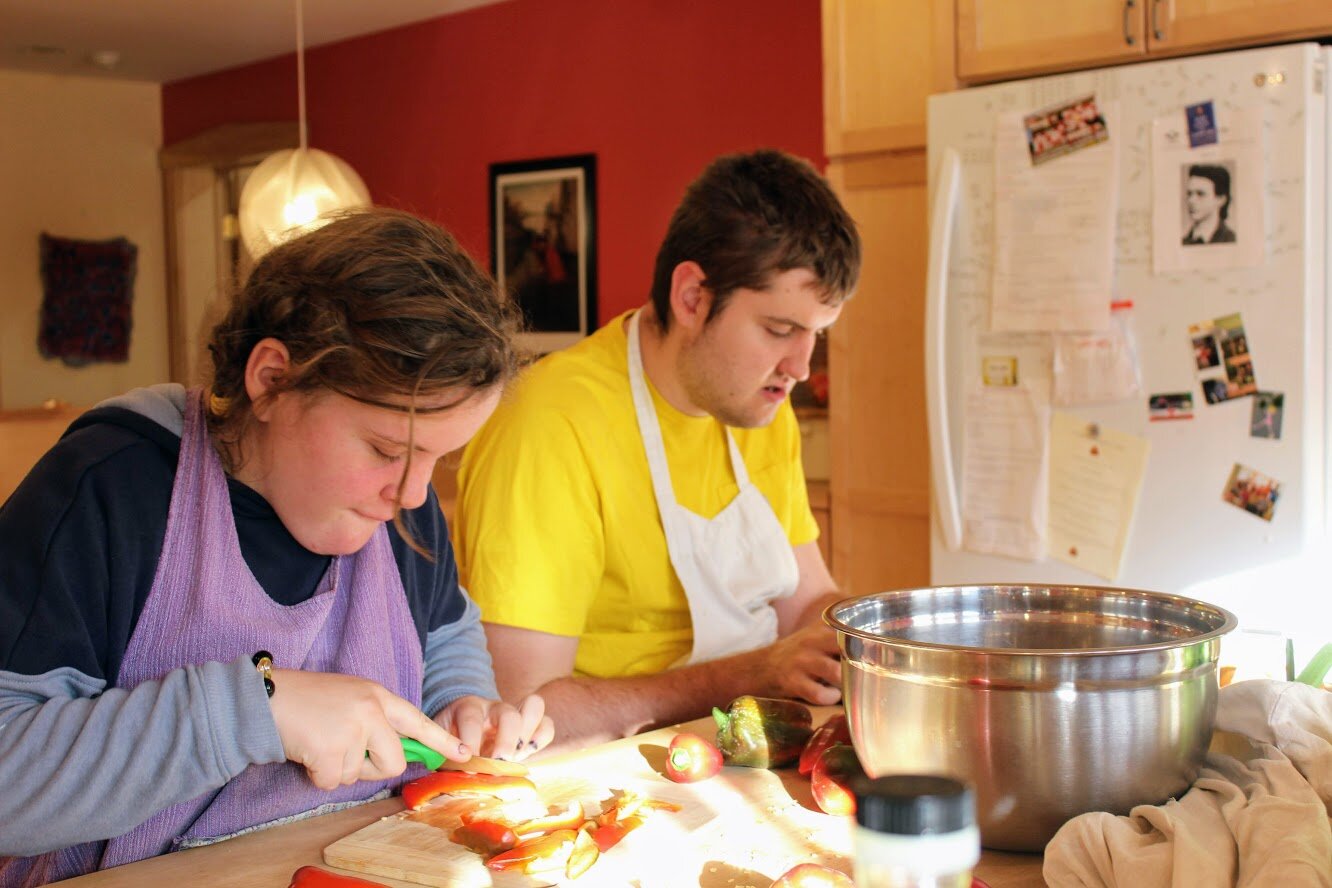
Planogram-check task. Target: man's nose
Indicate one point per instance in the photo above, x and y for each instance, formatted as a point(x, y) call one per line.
point(796, 363)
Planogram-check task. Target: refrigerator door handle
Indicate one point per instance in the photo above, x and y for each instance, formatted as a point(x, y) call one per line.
point(936, 379)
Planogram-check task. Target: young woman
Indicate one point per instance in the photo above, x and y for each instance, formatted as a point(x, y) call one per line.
point(174, 542)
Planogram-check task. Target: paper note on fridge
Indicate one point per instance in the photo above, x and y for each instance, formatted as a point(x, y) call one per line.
point(1095, 477)
point(1054, 232)
point(1004, 497)
point(1208, 202)
point(1094, 368)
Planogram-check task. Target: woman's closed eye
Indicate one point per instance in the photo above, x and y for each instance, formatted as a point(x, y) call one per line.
point(384, 456)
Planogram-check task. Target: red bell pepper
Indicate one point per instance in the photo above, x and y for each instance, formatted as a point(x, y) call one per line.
point(690, 758)
point(831, 778)
point(834, 730)
point(314, 877)
point(485, 837)
point(813, 875)
point(538, 854)
point(608, 835)
point(417, 793)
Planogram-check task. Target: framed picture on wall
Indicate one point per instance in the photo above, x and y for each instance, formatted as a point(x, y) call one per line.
point(544, 247)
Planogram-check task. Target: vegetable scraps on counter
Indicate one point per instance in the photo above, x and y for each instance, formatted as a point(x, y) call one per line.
point(690, 759)
point(761, 732)
point(314, 877)
point(498, 822)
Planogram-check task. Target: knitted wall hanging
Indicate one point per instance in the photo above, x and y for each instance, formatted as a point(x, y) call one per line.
point(88, 287)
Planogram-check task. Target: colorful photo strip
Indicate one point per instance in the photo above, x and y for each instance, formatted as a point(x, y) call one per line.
point(1057, 131)
point(1252, 491)
point(1221, 357)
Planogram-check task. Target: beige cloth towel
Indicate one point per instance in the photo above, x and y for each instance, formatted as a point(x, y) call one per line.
point(1259, 814)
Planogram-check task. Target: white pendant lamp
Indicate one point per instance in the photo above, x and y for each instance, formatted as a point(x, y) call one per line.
point(293, 191)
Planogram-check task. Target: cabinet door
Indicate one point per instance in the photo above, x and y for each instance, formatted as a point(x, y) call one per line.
point(1194, 25)
point(880, 62)
point(1003, 39)
point(880, 452)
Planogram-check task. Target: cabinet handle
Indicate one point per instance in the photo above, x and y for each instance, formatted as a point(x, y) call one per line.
point(1128, 21)
point(1157, 33)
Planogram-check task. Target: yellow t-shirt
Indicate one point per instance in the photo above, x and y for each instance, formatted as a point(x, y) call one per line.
point(557, 524)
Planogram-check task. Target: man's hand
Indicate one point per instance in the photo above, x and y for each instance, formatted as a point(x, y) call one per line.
point(328, 722)
point(804, 665)
point(497, 729)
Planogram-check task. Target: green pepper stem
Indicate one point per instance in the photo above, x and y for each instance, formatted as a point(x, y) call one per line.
point(723, 720)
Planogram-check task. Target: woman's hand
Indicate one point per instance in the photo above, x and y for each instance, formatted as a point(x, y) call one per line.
point(497, 729)
point(343, 728)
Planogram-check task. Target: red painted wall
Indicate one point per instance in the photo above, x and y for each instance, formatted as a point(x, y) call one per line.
point(655, 88)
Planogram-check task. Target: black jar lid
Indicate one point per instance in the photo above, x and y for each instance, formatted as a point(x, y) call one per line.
point(914, 804)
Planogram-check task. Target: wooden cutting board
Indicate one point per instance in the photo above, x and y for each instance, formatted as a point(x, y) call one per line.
point(743, 827)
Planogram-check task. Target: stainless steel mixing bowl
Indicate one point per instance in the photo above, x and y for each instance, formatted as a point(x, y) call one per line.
point(1050, 700)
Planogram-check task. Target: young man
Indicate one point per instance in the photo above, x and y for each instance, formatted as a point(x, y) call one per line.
point(1207, 198)
point(633, 521)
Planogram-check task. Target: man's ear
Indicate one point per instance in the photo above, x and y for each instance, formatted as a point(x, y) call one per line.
point(269, 360)
point(691, 302)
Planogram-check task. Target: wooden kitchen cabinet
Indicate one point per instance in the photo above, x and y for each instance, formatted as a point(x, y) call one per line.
point(1006, 39)
point(1001, 39)
point(880, 62)
point(1185, 26)
point(879, 491)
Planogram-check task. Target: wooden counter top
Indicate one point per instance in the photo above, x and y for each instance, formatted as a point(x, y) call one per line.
point(266, 859)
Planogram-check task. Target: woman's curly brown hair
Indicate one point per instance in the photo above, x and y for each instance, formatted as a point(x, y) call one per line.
point(377, 305)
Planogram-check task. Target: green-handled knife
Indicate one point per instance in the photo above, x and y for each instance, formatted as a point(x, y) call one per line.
point(416, 751)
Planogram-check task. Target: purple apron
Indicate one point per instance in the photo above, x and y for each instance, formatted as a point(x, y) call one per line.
point(205, 605)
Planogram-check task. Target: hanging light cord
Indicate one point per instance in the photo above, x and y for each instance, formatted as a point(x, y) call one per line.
point(300, 69)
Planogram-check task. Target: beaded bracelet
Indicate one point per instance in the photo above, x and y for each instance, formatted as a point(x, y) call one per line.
point(263, 661)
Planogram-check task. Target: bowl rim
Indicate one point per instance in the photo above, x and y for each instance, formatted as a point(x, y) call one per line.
point(1229, 622)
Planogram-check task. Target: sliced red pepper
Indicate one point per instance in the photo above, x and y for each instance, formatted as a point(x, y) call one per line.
point(608, 835)
point(834, 730)
point(571, 817)
point(417, 793)
point(537, 855)
point(690, 759)
point(314, 877)
point(831, 778)
point(485, 837)
point(621, 807)
point(585, 853)
point(813, 875)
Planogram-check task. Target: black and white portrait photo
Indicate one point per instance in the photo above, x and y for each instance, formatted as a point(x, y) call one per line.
point(1209, 215)
point(1209, 199)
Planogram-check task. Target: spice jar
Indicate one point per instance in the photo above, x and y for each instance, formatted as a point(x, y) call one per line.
point(915, 831)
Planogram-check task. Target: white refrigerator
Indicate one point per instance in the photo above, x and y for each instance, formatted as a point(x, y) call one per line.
point(1267, 564)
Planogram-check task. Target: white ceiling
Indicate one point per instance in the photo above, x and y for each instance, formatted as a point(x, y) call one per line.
point(166, 40)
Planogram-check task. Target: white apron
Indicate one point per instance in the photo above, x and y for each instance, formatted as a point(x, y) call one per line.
point(732, 566)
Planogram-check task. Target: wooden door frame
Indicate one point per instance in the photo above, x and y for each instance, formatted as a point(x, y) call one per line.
point(221, 149)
